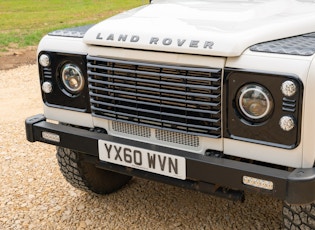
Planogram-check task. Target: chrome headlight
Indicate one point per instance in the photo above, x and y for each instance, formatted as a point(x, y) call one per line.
point(255, 102)
point(72, 78)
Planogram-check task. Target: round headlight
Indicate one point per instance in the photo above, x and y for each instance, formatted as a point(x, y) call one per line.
point(255, 102)
point(72, 78)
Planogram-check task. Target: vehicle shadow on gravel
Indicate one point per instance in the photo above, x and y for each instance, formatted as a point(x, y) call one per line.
point(145, 204)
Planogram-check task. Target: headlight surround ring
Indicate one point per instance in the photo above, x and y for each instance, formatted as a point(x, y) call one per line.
point(72, 78)
point(255, 102)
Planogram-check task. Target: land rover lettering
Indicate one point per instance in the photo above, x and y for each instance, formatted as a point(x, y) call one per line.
point(168, 41)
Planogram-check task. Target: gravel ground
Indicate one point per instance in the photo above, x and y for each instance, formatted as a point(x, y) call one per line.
point(34, 195)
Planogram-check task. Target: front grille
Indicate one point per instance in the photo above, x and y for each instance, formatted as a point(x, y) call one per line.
point(173, 98)
point(155, 134)
point(131, 129)
point(178, 138)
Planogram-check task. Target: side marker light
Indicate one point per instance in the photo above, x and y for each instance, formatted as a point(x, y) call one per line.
point(51, 136)
point(258, 183)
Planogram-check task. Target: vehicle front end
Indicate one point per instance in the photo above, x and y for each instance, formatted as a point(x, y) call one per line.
point(216, 106)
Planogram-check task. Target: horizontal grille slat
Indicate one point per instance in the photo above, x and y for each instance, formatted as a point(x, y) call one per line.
point(159, 113)
point(165, 121)
point(173, 98)
point(47, 72)
point(154, 66)
point(152, 73)
point(159, 98)
point(155, 90)
point(154, 82)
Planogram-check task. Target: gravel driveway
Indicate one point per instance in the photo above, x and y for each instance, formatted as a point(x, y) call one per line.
point(34, 195)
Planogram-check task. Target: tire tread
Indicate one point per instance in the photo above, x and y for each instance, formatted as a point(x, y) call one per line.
point(301, 217)
point(85, 176)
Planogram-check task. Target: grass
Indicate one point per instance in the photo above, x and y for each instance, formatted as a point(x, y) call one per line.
point(24, 22)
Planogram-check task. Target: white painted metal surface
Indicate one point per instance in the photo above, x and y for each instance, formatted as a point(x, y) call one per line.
point(220, 28)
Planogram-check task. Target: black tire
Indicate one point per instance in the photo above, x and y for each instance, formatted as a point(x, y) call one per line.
point(85, 176)
point(298, 216)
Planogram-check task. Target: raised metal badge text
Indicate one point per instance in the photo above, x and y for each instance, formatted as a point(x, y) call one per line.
point(179, 42)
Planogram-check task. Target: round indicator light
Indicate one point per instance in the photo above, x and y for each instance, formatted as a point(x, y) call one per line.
point(47, 87)
point(288, 88)
point(287, 123)
point(44, 60)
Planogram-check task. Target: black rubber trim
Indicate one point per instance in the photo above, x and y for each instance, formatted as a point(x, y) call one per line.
point(297, 187)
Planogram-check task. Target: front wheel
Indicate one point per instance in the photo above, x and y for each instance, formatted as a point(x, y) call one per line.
point(298, 216)
point(85, 175)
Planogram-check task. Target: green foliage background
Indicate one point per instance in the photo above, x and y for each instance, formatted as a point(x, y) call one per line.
point(24, 22)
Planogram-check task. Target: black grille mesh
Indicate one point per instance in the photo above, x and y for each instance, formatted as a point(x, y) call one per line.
point(174, 98)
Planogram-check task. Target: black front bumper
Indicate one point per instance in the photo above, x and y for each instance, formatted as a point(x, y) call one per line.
point(204, 173)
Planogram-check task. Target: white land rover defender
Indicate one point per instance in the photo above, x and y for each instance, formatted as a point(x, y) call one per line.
point(216, 96)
